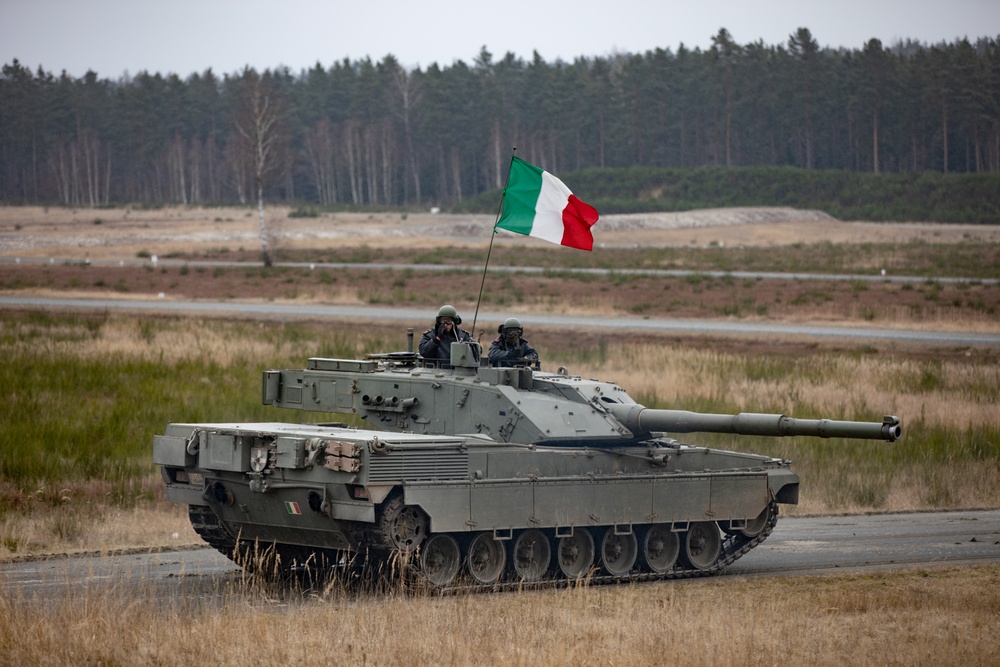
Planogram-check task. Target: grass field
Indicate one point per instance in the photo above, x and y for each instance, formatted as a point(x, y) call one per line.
point(84, 395)
point(939, 616)
point(87, 394)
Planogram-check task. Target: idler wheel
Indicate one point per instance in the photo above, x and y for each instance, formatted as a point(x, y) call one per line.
point(531, 555)
point(487, 557)
point(660, 548)
point(576, 553)
point(752, 527)
point(404, 526)
point(440, 559)
point(702, 545)
point(756, 526)
point(618, 552)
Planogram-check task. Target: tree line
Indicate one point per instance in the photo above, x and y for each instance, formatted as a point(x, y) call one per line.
point(366, 134)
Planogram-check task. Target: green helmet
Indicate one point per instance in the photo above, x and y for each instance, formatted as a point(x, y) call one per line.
point(512, 323)
point(449, 311)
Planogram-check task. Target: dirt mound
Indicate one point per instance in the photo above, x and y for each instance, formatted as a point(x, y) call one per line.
point(715, 217)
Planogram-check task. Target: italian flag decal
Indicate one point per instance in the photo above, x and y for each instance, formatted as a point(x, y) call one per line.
point(536, 203)
point(293, 508)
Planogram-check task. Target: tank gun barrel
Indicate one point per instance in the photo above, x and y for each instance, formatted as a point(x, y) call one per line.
point(640, 419)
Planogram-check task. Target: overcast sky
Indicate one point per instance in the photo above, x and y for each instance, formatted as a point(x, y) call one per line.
point(112, 37)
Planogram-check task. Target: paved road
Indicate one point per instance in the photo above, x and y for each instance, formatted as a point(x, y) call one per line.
point(797, 546)
point(654, 273)
point(413, 316)
point(814, 545)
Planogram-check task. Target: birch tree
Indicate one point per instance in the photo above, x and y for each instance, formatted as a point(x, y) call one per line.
point(407, 100)
point(256, 120)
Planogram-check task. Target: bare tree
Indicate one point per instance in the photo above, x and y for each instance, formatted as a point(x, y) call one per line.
point(257, 123)
point(408, 100)
point(320, 147)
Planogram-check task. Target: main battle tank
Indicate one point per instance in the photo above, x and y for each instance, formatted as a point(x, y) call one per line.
point(482, 476)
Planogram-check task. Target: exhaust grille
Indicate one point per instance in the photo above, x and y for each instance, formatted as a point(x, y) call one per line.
point(393, 466)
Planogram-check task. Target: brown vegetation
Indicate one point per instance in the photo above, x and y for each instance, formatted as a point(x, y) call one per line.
point(923, 616)
point(949, 390)
point(936, 616)
point(194, 234)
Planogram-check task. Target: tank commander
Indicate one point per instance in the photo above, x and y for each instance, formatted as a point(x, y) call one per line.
point(435, 345)
point(509, 348)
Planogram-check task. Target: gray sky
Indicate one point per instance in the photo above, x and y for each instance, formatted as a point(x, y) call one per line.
point(113, 37)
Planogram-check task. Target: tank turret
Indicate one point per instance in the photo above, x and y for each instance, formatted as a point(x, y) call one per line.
point(482, 476)
point(398, 392)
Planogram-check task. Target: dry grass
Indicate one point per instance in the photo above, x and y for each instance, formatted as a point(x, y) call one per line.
point(168, 341)
point(94, 529)
point(916, 617)
point(952, 395)
point(948, 393)
point(722, 240)
point(919, 617)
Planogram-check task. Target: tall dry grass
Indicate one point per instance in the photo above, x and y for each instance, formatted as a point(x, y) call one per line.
point(85, 395)
point(946, 616)
point(841, 386)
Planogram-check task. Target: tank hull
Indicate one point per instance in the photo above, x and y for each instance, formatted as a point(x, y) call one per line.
point(322, 489)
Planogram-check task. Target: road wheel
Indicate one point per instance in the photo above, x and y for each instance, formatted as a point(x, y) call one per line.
point(702, 545)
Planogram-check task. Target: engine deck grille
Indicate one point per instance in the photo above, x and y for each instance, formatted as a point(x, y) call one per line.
point(418, 465)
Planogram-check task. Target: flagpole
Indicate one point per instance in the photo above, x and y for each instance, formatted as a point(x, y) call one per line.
point(493, 234)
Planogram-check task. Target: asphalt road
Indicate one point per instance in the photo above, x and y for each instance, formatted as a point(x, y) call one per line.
point(798, 546)
point(655, 273)
point(419, 316)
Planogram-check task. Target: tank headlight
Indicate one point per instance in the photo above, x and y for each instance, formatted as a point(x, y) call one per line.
point(258, 459)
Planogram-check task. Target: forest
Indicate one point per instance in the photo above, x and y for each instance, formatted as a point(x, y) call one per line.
point(370, 134)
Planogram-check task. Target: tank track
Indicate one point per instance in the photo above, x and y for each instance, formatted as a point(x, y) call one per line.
point(207, 525)
point(289, 558)
point(734, 546)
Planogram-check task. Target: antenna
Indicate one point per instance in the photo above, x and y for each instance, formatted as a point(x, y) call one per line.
point(492, 236)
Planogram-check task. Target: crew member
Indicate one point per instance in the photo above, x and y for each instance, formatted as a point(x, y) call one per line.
point(510, 349)
point(435, 345)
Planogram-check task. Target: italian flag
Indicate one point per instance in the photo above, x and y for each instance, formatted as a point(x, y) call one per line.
point(538, 204)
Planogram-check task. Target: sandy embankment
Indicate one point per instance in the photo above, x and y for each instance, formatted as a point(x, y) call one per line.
point(124, 233)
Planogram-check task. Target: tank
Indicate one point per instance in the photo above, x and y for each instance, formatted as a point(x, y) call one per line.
point(481, 476)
